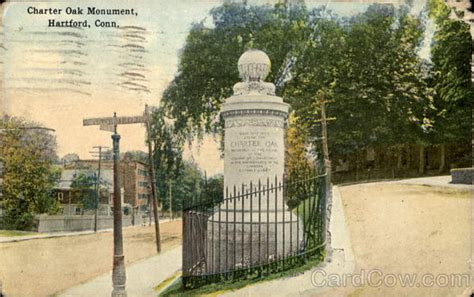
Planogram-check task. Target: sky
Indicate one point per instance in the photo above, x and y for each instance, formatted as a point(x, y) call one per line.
point(59, 76)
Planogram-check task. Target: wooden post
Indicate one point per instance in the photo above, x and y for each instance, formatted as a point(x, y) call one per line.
point(96, 221)
point(324, 132)
point(99, 155)
point(151, 170)
point(327, 165)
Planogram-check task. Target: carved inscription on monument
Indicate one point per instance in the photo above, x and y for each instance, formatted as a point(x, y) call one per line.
point(255, 122)
point(253, 151)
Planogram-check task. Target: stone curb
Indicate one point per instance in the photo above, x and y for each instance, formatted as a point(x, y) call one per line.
point(60, 234)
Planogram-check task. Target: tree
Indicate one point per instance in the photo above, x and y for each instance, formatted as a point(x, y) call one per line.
point(297, 159)
point(185, 186)
point(213, 188)
point(203, 82)
point(136, 156)
point(28, 174)
point(367, 66)
point(69, 158)
point(450, 79)
point(167, 152)
point(369, 69)
point(296, 155)
point(84, 189)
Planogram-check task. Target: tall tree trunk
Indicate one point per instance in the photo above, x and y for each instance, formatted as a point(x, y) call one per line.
point(442, 160)
point(421, 168)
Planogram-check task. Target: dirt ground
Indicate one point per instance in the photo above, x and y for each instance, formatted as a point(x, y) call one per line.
point(411, 229)
point(42, 267)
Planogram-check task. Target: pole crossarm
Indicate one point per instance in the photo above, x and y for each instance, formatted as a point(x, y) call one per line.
point(327, 120)
point(27, 128)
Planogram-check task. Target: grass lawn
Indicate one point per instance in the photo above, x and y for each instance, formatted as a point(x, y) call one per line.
point(176, 289)
point(15, 233)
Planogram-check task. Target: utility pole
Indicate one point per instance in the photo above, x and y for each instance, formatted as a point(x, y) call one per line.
point(151, 169)
point(110, 124)
point(324, 134)
point(99, 155)
point(171, 198)
point(327, 162)
point(150, 205)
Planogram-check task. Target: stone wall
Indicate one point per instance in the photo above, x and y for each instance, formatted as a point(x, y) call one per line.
point(61, 223)
point(462, 175)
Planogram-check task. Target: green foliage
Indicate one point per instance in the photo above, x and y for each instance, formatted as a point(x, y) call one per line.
point(83, 187)
point(136, 156)
point(367, 66)
point(298, 166)
point(185, 185)
point(181, 180)
point(15, 233)
point(207, 69)
point(167, 154)
point(369, 71)
point(213, 188)
point(28, 176)
point(450, 76)
point(191, 185)
point(69, 158)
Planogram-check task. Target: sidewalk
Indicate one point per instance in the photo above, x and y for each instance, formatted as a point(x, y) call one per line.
point(435, 181)
point(142, 277)
point(341, 262)
point(4, 239)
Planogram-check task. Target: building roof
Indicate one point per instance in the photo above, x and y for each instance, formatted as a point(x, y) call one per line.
point(67, 176)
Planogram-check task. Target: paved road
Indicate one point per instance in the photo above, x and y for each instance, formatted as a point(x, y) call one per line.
point(43, 267)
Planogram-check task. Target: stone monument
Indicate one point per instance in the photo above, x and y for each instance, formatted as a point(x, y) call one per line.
point(252, 227)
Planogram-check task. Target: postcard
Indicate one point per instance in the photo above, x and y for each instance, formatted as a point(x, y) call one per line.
point(236, 148)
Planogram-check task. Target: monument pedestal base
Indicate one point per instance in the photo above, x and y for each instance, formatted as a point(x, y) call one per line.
point(251, 241)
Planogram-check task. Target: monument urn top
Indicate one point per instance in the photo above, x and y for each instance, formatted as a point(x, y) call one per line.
point(254, 66)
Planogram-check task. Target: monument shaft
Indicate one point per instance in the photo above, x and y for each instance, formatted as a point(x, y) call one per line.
point(251, 224)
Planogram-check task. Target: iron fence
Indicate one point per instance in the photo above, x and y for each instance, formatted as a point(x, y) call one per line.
point(254, 230)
